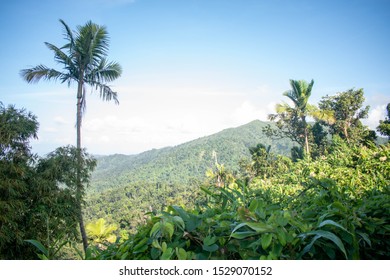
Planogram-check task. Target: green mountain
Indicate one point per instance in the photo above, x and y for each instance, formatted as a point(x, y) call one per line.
point(184, 163)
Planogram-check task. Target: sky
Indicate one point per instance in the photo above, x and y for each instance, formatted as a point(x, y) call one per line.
point(192, 68)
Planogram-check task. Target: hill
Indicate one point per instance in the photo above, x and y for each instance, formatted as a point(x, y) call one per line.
point(184, 163)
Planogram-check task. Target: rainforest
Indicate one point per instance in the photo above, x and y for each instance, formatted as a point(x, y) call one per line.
point(273, 153)
point(244, 193)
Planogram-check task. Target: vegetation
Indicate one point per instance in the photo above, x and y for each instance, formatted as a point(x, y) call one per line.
point(184, 164)
point(233, 195)
point(84, 62)
point(348, 113)
point(291, 121)
point(38, 198)
point(336, 207)
point(384, 125)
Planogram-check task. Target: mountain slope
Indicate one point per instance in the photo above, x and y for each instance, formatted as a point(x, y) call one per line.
point(186, 162)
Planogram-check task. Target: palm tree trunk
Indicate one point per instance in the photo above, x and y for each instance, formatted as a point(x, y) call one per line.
point(306, 135)
point(307, 149)
point(79, 186)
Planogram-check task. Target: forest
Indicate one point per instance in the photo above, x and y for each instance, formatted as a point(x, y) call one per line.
point(328, 199)
point(313, 182)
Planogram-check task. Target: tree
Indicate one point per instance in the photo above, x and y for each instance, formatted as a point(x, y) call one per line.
point(37, 195)
point(84, 62)
point(291, 120)
point(261, 160)
point(347, 111)
point(384, 126)
point(17, 128)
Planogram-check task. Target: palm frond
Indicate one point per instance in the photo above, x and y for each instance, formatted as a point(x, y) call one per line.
point(99, 43)
point(92, 43)
point(106, 93)
point(68, 34)
point(105, 72)
point(61, 57)
point(283, 108)
point(35, 74)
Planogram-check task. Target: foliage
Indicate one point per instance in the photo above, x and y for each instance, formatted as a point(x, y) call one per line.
point(37, 197)
point(186, 164)
point(126, 206)
point(84, 61)
point(101, 233)
point(384, 125)
point(291, 121)
point(348, 112)
point(336, 207)
point(17, 128)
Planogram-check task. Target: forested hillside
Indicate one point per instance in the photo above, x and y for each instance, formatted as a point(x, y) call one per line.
point(125, 187)
point(185, 163)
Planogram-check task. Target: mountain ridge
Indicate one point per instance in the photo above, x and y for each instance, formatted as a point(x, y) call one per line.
point(185, 162)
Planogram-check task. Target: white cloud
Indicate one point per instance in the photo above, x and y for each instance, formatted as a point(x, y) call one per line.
point(374, 116)
point(60, 120)
point(247, 112)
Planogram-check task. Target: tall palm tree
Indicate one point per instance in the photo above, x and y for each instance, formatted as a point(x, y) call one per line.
point(83, 60)
point(299, 94)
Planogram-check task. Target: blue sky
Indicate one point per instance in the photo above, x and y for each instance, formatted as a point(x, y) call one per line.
point(194, 67)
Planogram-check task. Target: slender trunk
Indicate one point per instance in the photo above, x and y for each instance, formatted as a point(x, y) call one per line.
point(307, 149)
point(346, 133)
point(79, 186)
point(306, 135)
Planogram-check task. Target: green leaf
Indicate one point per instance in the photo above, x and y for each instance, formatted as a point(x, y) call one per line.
point(282, 221)
point(124, 256)
point(182, 213)
point(39, 246)
point(155, 253)
point(211, 248)
point(365, 238)
point(140, 245)
point(179, 222)
point(43, 257)
point(155, 228)
point(266, 240)
point(167, 254)
point(169, 229)
point(333, 223)
point(164, 246)
point(281, 237)
point(181, 253)
point(338, 205)
point(243, 234)
point(156, 245)
point(259, 227)
point(327, 235)
point(253, 205)
point(209, 240)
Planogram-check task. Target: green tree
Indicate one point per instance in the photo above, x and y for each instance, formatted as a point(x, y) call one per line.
point(84, 62)
point(17, 128)
point(292, 120)
point(261, 160)
point(384, 126)
point(348, 112)
point(320, 139)
point(37, 195)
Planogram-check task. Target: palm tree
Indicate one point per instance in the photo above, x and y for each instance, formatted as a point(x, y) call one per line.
point(299, 95)
point(83, 60)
